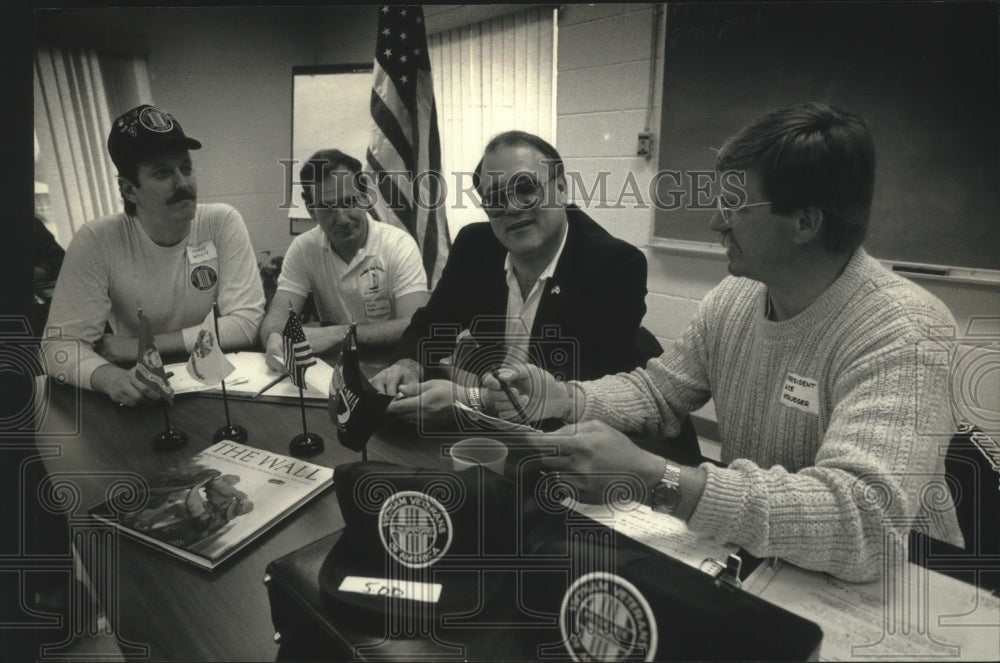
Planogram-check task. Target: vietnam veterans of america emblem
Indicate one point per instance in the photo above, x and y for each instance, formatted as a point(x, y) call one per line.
point(204, 278)
point(604, 617)
point(415, 528)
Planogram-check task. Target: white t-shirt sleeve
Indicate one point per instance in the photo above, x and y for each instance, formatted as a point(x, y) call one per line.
point(81, 305)
point(408, 274)
point(294, 276)
point(240, 293)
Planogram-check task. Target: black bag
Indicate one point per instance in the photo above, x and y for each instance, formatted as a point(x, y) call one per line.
point(569, 583)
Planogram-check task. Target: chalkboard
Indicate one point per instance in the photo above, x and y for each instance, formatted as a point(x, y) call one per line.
point(923, 75)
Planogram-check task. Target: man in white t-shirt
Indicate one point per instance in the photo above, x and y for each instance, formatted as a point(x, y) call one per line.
point(165, 253)
point(357, 270)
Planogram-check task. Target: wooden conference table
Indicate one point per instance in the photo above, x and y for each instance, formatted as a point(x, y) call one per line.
point(157, 606)
point(161, 608)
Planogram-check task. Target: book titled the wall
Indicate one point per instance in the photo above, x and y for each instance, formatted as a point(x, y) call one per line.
point(215, 503)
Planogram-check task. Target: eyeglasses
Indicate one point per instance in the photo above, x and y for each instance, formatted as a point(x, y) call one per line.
point(523, 192)
point(352, 202)
point(727, 212)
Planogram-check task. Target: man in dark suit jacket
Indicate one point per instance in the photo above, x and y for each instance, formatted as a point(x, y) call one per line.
point(540, 266)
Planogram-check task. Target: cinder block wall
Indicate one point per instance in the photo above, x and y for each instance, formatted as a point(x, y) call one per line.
point(604, 58)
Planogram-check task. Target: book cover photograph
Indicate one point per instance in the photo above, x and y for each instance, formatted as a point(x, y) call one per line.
point(212, 505)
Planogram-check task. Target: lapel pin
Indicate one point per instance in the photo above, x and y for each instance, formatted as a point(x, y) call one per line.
point(555, 290)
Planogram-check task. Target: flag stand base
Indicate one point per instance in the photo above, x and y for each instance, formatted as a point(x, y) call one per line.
point(232, 432)
point(170, 439)
point(304, 445)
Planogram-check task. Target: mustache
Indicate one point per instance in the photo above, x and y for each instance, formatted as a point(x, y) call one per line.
point(181, 194)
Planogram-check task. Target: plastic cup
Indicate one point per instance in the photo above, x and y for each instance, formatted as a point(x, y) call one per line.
point(484, 451)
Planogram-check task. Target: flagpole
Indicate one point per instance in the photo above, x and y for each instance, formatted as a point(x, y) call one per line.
point(229, 431)
point(225, 402)
point(149, 371)
point(294, 341)
point(302, 409)
point(354, 340)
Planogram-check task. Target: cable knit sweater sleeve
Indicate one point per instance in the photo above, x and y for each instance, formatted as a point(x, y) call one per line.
point(655, 399)
point(820, 482)
point(868, 480)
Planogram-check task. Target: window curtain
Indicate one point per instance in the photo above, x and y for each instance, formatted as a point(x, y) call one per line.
point(489, 77)
point(75, 92)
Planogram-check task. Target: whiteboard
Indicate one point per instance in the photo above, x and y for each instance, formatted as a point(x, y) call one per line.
point(330, 109)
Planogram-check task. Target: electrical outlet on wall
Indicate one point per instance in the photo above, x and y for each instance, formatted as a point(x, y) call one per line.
point(645, 146)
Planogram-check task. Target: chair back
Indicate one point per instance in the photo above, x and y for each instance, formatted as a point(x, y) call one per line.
point(973, 465)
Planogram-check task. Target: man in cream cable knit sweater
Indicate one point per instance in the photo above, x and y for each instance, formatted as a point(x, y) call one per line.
point(825, 368)
point(165, 253)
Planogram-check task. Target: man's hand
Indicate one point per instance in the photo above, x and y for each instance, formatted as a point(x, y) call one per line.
point(122, 386)
point(592, 456)
point(540, 395)
point(405, 372)
point(274, 352)
point(429, 401)
point(325, 339)
point(117, 349)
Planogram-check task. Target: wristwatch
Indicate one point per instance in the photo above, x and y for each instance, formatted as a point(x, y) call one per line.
point(666, 494)
point(475, 397)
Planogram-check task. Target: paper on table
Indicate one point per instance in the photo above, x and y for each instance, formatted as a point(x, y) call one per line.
point(492, 423)
point(925, 615)
point(182, 383)
point(660, 531)
point(251, 375)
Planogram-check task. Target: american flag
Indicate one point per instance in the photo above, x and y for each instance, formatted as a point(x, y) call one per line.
point(405, 138)
point(298, 352)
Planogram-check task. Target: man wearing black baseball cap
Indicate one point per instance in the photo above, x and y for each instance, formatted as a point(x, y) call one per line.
point(165, 253)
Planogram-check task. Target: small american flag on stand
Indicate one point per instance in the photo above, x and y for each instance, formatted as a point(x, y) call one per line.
point(405, 138)
point(298, 353)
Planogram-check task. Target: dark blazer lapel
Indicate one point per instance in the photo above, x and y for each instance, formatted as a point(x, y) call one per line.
point(487, 280)
point(559, 289)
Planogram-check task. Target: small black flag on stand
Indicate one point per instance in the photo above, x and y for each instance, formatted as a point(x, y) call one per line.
point(355, 405)
point(299, 357)
point(149, 371)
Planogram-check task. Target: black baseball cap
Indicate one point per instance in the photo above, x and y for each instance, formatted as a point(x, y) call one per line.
point(419, 525)
point(142, 131)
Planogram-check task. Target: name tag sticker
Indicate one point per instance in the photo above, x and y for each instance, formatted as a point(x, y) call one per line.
point(800, 393)
point(428, 592)
point(377, 308)
point(202, 252)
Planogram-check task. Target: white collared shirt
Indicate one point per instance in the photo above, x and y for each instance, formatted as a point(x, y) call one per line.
point(364, 289)
point(521, 312)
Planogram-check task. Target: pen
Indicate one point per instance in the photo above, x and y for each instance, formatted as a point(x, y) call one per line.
point(510, 395)
point(466, 334)
point(269, 385)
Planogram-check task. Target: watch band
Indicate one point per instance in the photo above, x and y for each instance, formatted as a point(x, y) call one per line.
point(475, 397)
point(666, 494)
